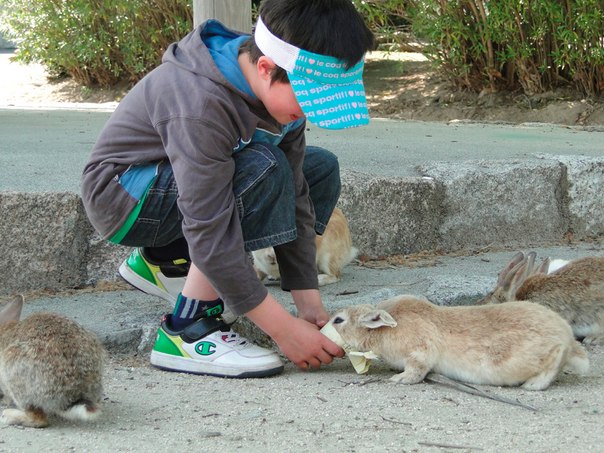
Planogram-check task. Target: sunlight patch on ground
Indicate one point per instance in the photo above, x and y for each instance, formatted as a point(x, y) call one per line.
point(398, 56)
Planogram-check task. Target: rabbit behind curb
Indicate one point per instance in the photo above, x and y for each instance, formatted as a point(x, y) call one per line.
point(49, 365)
point(334, 251)
point(573, 289)
point(510, 344)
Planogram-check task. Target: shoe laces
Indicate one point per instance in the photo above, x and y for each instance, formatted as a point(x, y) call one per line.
point(233, 338)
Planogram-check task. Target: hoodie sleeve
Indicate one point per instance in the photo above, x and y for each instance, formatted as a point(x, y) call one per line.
point(200, 154)
point(297, 259)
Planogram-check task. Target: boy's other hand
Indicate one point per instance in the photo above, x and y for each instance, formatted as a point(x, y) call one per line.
point(310, 307)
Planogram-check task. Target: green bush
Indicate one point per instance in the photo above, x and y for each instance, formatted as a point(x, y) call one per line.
point(532, 45)
point(535, 45)
point(389, 21)
point(97, 42)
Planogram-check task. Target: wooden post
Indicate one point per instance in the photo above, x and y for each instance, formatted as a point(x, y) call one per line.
point(235, 14)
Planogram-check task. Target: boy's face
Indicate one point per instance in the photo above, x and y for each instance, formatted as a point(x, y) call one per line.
point(278, 97)
point(281, 103)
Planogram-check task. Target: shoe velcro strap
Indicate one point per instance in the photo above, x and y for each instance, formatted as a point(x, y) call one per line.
point(202, 328)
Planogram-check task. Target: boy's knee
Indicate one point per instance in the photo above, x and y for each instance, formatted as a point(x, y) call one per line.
point(329, 159)
point(321, 166)
point(332, 164)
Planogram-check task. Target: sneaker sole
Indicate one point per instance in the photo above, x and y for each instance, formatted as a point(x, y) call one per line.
point(181, 364)
point(142, 284)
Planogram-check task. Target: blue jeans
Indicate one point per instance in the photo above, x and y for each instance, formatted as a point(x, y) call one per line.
point(264, 193)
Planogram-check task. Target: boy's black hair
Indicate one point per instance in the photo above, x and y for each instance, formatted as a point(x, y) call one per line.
point(327, 27)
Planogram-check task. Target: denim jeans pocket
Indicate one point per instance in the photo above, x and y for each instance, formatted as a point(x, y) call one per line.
point(252, 164)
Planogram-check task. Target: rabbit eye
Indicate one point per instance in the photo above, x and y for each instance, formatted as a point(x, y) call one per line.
point(338, 320)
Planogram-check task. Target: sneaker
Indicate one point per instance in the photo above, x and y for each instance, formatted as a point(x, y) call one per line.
point(209, 346)
point(165, 280)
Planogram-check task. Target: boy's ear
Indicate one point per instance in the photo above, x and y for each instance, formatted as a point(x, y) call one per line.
point(265, 67)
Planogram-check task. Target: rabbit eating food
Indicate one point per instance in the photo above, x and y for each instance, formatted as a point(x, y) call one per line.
point(510, 344)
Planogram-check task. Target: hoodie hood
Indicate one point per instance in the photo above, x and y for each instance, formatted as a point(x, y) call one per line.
point(197, 52)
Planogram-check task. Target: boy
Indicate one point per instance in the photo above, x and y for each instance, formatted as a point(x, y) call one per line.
point(205, 160)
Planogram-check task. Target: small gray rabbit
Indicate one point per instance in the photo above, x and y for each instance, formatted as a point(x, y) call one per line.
point(574, 289)
point(49, 365)
point(510, 344)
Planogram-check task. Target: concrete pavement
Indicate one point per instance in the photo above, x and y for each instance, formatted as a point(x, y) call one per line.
point(455, 201)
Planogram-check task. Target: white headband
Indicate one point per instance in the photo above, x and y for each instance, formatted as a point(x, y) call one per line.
point(282, 53)
point(329, 94)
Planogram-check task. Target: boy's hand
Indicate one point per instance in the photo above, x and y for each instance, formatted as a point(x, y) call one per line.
point(306, 347)
point(310, 307)
point(297, 338)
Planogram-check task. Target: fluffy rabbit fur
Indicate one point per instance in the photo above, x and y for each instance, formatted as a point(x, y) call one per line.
point(334, 251)
point(574, 289)
point(48, 365)
point(507, 344)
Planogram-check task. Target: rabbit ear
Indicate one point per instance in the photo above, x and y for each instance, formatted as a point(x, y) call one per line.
point(377, 318)
point(511, 275)
point(517, 259)
point(520, 273)
point(530, 261)
point(544, 267)
point(12, 312)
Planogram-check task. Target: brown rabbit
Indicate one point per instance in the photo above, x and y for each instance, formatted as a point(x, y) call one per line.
point(515, 343)
point(575, 290)
point(48, 365)
point(334, 251)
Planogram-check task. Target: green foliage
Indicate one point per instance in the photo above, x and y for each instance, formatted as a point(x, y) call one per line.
point(97, 42)
point(535, 45)
point(388, 19)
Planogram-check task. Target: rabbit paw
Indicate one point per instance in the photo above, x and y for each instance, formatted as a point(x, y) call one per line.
point(30, 418)
point(326, 279)
point(409, 376)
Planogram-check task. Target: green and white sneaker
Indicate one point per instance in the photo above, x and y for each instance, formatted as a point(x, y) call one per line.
point(209, 346)
point(165, 280)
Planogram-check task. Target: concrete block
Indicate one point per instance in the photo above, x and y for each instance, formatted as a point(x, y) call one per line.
point(458, 290)
point(44, 241)
point(585, 195)
point(391, 215)
point(104, 258)
point(501, 203)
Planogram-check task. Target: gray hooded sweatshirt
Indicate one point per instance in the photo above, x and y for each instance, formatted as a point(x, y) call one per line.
point(187, 112)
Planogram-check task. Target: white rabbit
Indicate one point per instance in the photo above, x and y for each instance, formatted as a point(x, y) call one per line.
point(48, 365)
point(515, 343)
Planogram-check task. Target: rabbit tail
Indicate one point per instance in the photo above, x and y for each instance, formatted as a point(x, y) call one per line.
point(81, 410)
point(577, 361)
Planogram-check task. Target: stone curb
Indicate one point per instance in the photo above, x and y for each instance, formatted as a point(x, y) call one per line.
point(449, 206)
